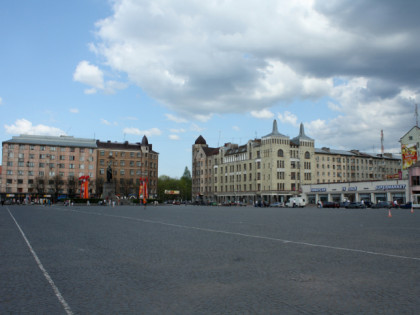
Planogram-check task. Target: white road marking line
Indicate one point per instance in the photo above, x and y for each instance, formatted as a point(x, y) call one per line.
point(252, 236)
point(44, 271)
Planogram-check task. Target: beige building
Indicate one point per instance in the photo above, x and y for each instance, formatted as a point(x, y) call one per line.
point(129, 163)
point(276, 167)
point(335, 166)
point(45, 165)
point(268, 169)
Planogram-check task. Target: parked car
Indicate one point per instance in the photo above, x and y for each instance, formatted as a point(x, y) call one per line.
point(407, 205)
point(344, 204)
point(355, 205)
point(331, 204)
point(277, 205)
point(367, 203)
point(382, 204)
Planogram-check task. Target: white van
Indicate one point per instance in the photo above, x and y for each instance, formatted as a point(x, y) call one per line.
point(296, 202)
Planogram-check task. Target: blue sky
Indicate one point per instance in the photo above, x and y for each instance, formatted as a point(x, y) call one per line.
point(116, 70)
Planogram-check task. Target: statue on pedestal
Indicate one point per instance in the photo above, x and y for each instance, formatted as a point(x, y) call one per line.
point(109, 173)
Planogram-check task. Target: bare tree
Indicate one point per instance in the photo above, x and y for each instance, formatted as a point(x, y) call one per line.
point(72, 185)
point(56, 185)
point(39, 185)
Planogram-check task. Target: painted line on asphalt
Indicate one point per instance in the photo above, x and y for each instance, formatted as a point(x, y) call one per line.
point(251, 236)
point(44, 271)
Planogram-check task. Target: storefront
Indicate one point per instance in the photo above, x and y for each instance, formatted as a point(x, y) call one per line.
point(373, 191)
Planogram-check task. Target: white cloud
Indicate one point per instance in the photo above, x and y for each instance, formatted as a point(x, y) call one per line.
point(236, 128)
point(206, 58)
point(90, 75)
point(288, 118)
point(74, 110)
point(1, 100)
point(174, 137)
point(196, 128)
point(262, 114)
point(149, 132)
point(24, 126)
point(175, 118)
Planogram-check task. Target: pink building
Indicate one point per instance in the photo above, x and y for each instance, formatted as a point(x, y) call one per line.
point(45, 165)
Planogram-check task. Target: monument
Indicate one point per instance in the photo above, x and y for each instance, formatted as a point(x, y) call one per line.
point(109, 186)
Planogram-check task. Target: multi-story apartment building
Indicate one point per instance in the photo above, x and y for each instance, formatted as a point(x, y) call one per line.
point(335, 166)
point(45, 165)
point(269, 169)
point(129, 162)
point(275, 167)
point(34, 166)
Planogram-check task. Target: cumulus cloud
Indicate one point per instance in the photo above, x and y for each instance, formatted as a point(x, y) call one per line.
point(90, 75)
point(213, 57)
point(288, 118)
point(264, 113)
point(24, 126)
point(149, 132)
point(174, 137)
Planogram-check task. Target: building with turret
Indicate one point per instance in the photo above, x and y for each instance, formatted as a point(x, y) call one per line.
point(275, 167)
point(269, 169)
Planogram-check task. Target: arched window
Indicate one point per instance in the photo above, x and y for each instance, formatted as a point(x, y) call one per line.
point(307, 155)
point(280, 153)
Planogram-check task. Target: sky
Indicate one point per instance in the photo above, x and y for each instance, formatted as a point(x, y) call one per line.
point(174, 70)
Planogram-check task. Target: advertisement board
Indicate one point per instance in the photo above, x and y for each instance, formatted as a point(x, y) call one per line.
point(409, 155)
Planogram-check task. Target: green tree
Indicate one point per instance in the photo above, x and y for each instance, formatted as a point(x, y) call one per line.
point(185, 185)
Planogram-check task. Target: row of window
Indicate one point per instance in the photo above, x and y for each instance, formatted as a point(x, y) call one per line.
point(50, 148)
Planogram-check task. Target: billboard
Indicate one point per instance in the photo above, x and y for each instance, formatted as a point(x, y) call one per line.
point(172, 192)
point(409, 155)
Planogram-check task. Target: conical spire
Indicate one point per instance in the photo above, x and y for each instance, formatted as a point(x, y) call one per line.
point(302, 131)
point(275, 131)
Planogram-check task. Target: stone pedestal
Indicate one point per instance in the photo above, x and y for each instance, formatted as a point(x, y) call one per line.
point(109, 191)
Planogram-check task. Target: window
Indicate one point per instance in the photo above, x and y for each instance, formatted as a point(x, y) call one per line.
point(307, 155)
point(101, 153)
point(280, 153)
point(9, 172)
point(53, 148)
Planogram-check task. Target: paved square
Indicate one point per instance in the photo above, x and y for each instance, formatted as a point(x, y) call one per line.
point(208, 260)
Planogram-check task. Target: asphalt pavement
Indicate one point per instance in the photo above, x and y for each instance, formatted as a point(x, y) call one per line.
point(208, 260)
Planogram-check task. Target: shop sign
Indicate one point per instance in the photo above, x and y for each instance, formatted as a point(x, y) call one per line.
point(318, 189)
point(389, 187)
point(349, 189)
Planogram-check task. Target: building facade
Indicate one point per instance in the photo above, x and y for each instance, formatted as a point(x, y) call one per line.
point(45, 165)
point(334, 166)
point(373, 191)
point(276, 167)
point(48, 167)
point(269, 169)
point(130, 163)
